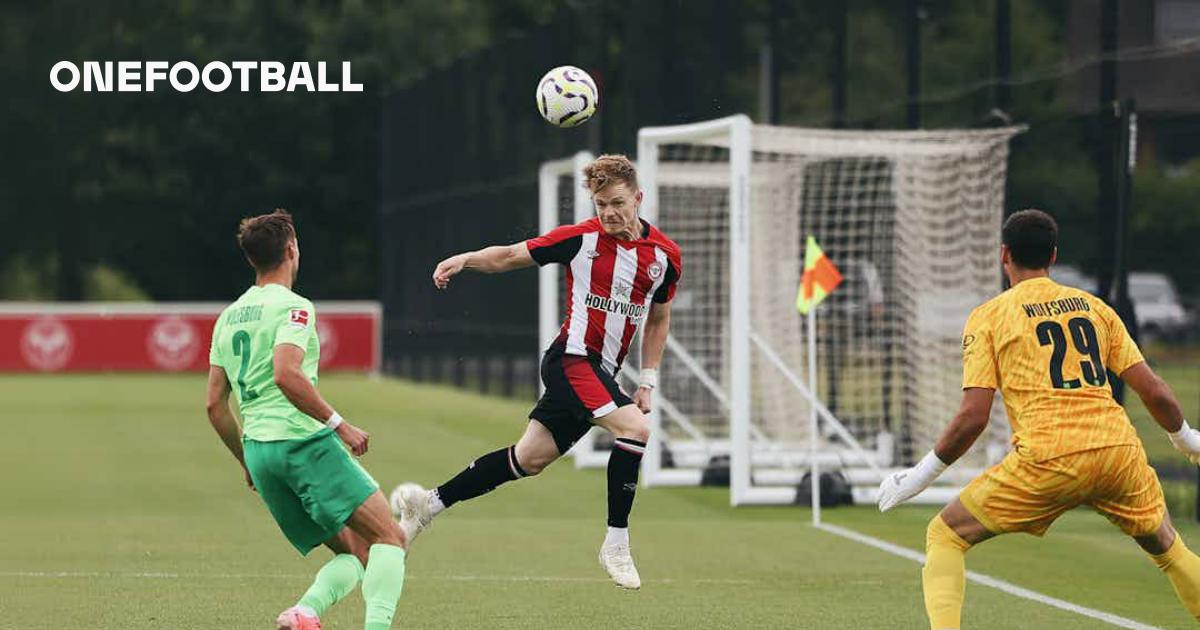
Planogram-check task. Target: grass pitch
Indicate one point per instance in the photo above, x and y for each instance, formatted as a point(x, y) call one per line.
point(121, 509)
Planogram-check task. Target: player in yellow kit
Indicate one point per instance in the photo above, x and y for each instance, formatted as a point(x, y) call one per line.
point(1049, 350)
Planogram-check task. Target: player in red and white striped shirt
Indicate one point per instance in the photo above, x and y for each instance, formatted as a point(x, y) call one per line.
point(621, 272)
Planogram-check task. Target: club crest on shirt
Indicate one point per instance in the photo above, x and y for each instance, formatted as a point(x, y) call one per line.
point(298, 317)
point(655, 270)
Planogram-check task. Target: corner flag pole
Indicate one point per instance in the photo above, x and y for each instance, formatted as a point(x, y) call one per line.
point(820, 277)
point(814, 421)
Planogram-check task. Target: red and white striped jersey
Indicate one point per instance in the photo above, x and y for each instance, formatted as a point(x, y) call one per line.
point(610, 283)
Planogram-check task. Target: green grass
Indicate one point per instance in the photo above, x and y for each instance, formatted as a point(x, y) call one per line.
point(1179, 477)
point(1185, 381)
point(119, 483)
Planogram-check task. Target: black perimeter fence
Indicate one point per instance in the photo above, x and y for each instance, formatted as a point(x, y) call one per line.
point(461, 146)
point(461, 152)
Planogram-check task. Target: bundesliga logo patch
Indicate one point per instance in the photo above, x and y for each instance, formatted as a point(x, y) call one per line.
point(298, 317)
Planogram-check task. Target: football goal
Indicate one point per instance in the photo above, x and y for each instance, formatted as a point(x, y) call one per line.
point(911, 218)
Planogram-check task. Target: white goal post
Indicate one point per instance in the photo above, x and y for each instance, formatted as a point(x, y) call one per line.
point(912, 220)
point(562, 200)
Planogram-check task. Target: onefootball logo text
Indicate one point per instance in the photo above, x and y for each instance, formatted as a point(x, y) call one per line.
point(185, 76)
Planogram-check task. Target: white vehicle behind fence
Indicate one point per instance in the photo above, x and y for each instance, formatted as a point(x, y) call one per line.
point(1160, 313)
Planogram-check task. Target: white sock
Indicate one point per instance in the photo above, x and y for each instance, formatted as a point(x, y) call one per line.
point(435, 503)
point(617, 536)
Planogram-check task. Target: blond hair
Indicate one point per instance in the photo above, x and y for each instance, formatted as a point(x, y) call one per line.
point(608, 169)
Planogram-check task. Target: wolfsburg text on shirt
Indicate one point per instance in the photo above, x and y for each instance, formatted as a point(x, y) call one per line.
point(1056, 307)
point(185, 76)
point(244, 314)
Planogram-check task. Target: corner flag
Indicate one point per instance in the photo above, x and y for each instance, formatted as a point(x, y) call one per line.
point(819, 279)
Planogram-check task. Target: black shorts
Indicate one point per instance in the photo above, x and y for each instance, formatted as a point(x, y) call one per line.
point(578, 390)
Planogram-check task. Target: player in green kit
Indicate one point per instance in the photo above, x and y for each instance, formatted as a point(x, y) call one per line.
point(294, 448)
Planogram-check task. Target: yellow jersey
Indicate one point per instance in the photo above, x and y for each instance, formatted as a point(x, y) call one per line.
point(1048, 349)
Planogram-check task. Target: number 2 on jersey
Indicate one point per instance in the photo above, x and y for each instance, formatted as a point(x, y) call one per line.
point(241, 348)
point(1083, 336)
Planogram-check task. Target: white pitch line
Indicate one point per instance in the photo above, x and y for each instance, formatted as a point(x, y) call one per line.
point(986, 580)
point(144, 575)
point(292, 576)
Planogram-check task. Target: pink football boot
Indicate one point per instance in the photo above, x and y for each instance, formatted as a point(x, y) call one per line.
point(293, 619)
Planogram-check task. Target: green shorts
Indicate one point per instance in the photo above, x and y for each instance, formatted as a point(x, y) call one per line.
point(311, 485)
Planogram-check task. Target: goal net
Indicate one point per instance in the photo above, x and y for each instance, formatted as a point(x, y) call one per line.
point(912, 220)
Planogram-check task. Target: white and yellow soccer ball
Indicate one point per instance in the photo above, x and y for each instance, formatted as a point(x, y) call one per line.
point(567, 97)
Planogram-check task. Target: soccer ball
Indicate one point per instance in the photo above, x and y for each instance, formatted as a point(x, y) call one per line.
point(567, 97)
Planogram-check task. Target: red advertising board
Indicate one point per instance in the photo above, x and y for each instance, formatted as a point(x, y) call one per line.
point(89, 337)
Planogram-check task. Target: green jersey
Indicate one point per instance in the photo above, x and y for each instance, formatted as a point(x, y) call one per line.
point(243, 344)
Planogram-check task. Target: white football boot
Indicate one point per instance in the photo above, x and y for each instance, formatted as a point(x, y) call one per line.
point(410, 504)
point(615, 559)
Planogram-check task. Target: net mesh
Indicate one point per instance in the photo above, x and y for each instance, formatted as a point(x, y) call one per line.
point(912, 221)
point(693, 210)
point(565, 196)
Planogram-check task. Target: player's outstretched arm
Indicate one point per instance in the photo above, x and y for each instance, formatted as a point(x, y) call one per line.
point(221, 417)
point(968, 424)
point(654, 341)
point(1162, 404)
point(494, 259)
point(304, 395)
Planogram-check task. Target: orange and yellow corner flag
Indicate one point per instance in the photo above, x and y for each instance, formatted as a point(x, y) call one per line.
point(819, 279)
